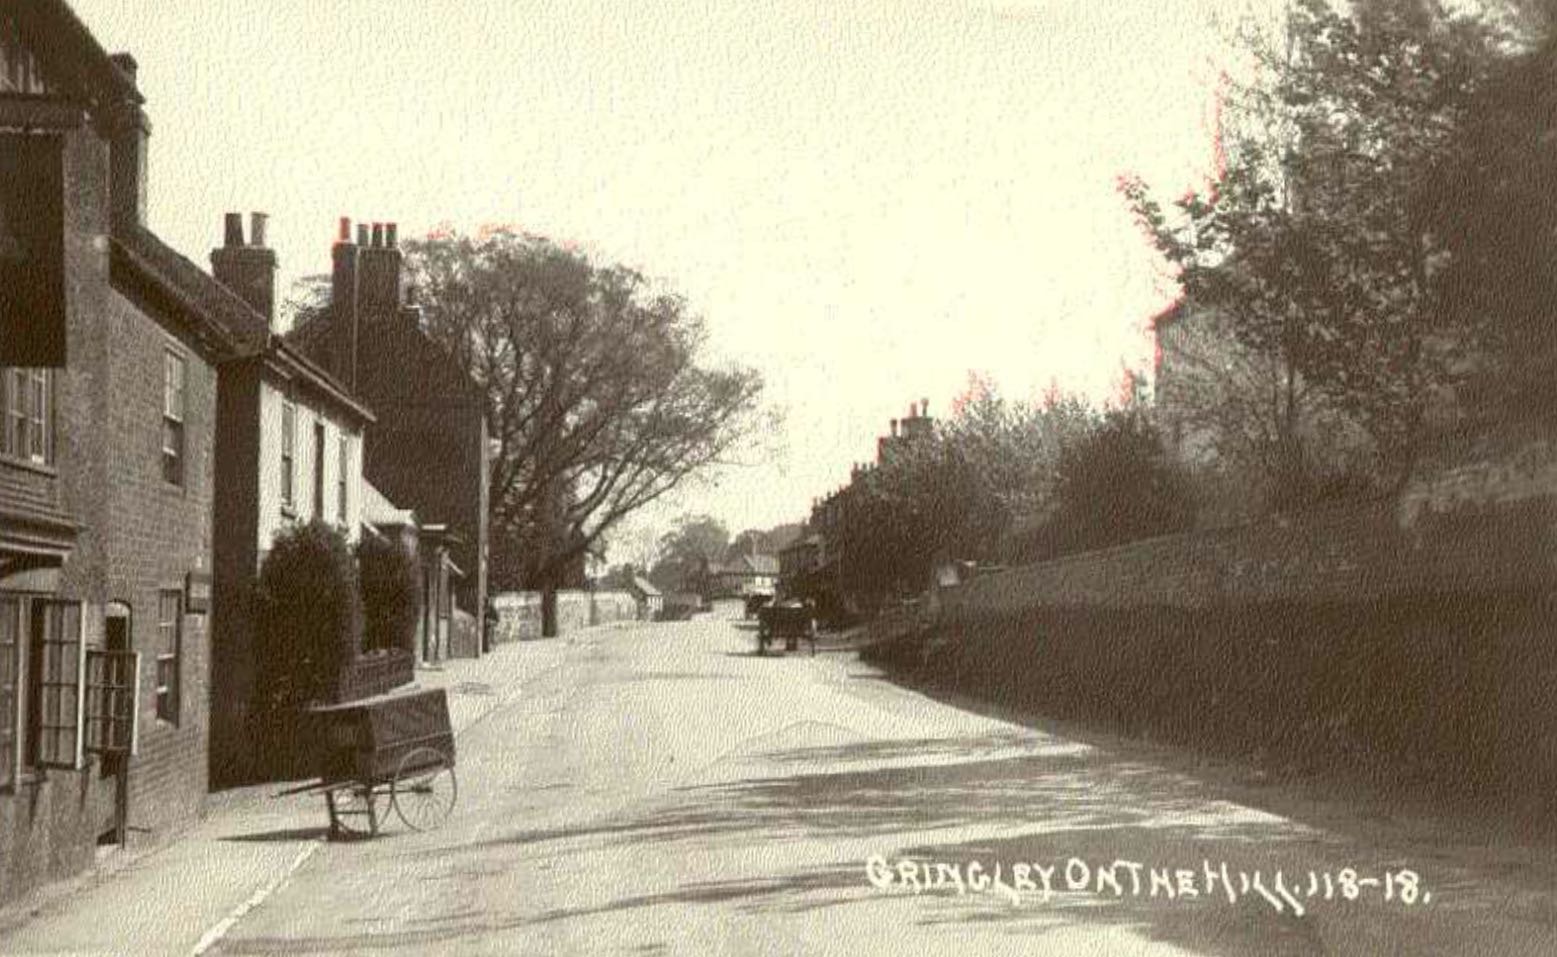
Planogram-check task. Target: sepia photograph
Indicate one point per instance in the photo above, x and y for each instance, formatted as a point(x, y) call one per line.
point(778, 477)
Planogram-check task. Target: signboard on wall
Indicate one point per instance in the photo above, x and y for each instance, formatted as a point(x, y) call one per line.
point(32, 259)
point(197, 593)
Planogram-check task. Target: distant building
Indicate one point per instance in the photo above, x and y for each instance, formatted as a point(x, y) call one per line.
point(747, 575)
point(812, 566)
point(651, 601)
point(429, 449)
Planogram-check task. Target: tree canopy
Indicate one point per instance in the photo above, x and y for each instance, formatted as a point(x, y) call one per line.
point(600, 398)
point(1314, 248)
point(691, 545)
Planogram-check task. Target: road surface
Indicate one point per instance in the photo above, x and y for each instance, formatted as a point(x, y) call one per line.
point(661, 790)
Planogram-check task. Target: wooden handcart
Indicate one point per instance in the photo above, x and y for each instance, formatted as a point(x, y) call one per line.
point(390, 753)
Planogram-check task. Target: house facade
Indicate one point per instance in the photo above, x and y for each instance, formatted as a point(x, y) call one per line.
point(747, 575)
point(289, 451)
point(429, 449)
point(650, 600)
point(108, 394)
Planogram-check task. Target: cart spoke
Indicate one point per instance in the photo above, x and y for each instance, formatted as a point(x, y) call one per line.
point(425, 789)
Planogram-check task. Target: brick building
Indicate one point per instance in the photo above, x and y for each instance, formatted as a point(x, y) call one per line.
point(428, 450)
point(812, 566)
point(108, 392)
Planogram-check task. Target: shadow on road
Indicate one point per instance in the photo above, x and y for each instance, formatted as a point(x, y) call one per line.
point(286, 834)
point(1059, 801)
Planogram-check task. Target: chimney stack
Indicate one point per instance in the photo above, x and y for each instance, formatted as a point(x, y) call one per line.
point(379, 293)
point(248, 269)
point(345, 286)
point(365, 288)
point(127, 147)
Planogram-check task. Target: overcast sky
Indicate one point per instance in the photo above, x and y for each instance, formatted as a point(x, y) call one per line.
point(869, 199)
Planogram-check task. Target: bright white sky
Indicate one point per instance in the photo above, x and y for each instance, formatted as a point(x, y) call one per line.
point(868, 199)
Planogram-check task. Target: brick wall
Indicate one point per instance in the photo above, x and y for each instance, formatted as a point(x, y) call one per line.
point(428, 449)
point(138, 534)
point(159, 533)
point(49, 826)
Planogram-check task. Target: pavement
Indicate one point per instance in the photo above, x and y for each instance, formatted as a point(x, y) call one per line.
point(660, 789)
point(182, 896)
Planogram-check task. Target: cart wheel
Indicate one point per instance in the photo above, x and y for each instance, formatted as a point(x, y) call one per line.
point(355, 811)
point(424, 789)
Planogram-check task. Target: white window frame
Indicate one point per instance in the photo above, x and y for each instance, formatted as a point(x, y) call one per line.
point(343, 467)
point(173, 691)
point(175, 382)
point(28, 684)
point(27, 415)
point(288, 455)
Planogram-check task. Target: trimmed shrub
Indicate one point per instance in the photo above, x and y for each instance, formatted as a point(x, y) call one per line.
point(309, 616)
point(389, 595)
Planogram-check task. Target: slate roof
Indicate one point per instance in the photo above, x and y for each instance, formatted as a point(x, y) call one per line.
point(218, 314)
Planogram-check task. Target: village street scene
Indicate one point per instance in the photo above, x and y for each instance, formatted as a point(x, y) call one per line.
point(1004, 476)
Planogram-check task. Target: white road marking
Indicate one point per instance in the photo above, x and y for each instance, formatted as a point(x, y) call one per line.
point(217, 932)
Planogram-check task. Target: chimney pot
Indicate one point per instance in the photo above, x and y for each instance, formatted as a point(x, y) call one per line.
point(233, 234)
point(378, 235)
point(924, 407)
point(391, 235)
point(257, 229)
point(345, 236)
point(126, 65)
point(894, 427)
point(362, 234)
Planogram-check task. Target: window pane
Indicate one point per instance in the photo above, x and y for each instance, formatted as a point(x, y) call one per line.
point(169, 626)
point(10, 632)
point(55, 683)
point(173, 451)
point(15, 424)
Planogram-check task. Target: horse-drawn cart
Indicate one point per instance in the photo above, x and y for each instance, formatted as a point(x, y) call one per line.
point(393, 752)
point(790, 620)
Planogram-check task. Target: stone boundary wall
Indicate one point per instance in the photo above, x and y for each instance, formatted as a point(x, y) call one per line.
point(519, 613)
point(1417, 636)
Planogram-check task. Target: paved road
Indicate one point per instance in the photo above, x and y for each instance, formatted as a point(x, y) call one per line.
point(659, 789)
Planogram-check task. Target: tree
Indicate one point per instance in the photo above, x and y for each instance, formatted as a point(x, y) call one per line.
point(600, 401)
point(1312, 249)
point(617, 578)
point(1115, 485)
point(1496, 211)
point(759, 541)
point(687, 551)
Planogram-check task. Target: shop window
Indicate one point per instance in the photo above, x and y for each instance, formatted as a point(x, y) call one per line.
point(42, 658)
